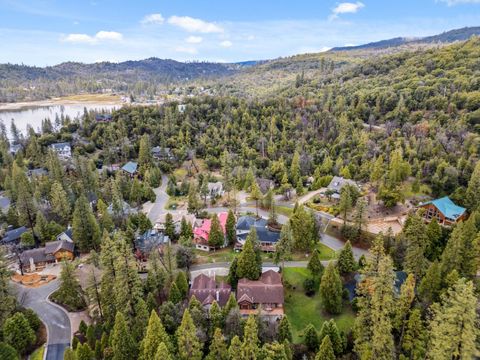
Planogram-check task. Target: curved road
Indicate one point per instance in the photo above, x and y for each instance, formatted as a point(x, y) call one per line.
point(54, 317)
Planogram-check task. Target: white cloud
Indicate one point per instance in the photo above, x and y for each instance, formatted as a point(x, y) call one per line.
point(458, 2)
point(194, 39)
point(95, 39)
point(194, 25)
point(226, 44)
point(186, 49)
point(346, 8)
point(153, 19)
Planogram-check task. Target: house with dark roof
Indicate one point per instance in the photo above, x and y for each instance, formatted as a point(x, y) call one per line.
point(67, 235)
point(100, 118)
point(267, 237)
point(206, 290)
point(12, 236)
point(148, 241)
point(163, 153)
point(63, 150)
point(53, 252)
point(444, 210)
point(130, 168)
point(264, 296)
point(336, 185)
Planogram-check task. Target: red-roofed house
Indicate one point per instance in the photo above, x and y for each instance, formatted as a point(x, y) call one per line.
point(264, 294)
point(201, 232)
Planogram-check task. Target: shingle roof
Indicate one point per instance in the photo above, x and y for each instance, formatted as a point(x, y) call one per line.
point(266, 290)
point(130, 167)
point(150, 240)
point(447, 207)
point(53, 246)
point(14, 234)
point(339, 182)
point(205, 290)
point(60, 145)
point(37, 255)
point(245, 223)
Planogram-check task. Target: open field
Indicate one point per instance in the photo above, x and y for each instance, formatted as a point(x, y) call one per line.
point(303, 310)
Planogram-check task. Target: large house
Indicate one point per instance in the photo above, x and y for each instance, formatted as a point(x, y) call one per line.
point(53, 252)
point(206, 290)
point(130, 168)
point(267, 238)
point(201, 232)
point(336, 185)
point(176, 219)
point(13, 236)
point(150, 240)
point(444, 210)
point(264, 296)
point(63, 150)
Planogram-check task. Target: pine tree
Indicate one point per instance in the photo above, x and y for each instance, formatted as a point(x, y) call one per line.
point(429, 288)
point(188, 344)
point(434, 235)
point(86, 231)
point(218, 348)
point(284, 246)
point(415, 236)
point(162, 353)
point(255, 194)
point(284, 330)
point(249, 350)
point(329, 328)
point(326, 350)
point(315, 265)
point(216, 237)
point(122, 342)
point(273, 351)
point(413, 343)
point(83, 352)
point(303, 229)
point(235, 348)
point(295, 168)
point(193, 204)
point(174, 294)
point(144, 154)
point(154, 336)
point(216, 316)
point(186, 231)
point(310, 338)
point(403, 303)
point(18, 333)
point(140, 320)
point(104, 217)
point(346, 261)
point(70, 292)
point(230, 229)
point(331, 290)
point(472, 195)
point(25, 203)
point(182, 284)
point(59, 202)
point(7, 300)
point(453, 328)
point(247, 266)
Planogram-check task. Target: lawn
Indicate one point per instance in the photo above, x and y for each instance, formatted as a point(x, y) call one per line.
point(38, 354)
point(284, 210)
point(303, 310)
point(325, 253)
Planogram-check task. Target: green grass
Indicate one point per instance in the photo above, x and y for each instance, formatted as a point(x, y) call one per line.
point(222, 255)
point(38, 354)
point(284, 210)
point(303, 310)
point(325, 253)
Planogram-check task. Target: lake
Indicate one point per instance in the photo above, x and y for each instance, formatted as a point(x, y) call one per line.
point(34, 115)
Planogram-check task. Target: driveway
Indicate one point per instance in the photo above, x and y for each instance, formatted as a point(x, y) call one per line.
point(154, 210)
point(56, 319)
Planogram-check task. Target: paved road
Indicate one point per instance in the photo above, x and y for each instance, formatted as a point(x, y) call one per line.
point(158, 207)
point(56, 319)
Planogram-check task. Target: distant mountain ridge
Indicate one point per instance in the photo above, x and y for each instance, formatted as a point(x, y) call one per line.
point(445, 37)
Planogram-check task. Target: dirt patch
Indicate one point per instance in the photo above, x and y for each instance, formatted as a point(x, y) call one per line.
point(33, 280)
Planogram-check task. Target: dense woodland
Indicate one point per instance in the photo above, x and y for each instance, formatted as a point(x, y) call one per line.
point(409, 117)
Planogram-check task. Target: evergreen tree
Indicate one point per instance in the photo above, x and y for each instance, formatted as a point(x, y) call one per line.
point(69, 293)
point(235, 348)
point(315, 265)
point(59, 202)
point(104, 217)
point(122, 342)
point(174, 294)
point(346, 261)
point(144, 154)
point(310, 338)
point(284, 246)
point(331, 290)
point(329, 328)
point(249, 350)
point(7, 352)
point(434, 235)
point(169, 227)
point(415, 236)
point(255, 194)
point(404, 302)
point(326, 350)
point(429, 288)
point(414, 341)
point(7, 300)
point(188, 344)
point(83, 352)
point(25, 203)
point(284, 330)
point(472, 195)
point(215, 316)
point(273, 351)
point(216, 237)
point(230, 229)
point(303, 229)
point(186, 231)
point(193, 204)
point(155, 335)
point(86, 231)
point(17, 333)
point(218, 348)
point(453, 328)
point(182, 284)
point(247, 266)
point(162, 353)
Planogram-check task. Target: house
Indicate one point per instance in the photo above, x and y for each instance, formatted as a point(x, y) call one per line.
point(12, 236)
point(336, 185)
point(264, 295)
point(67, 235)
point(130, 168)
point(215, 189)
point(177, 220)
point(352, 284)
point(202, 231)
point(267, 237)
point(163, 153)
point(181, 108)
point(265, 185)
point(14, 149)
point(124, 209)
point(444, 210)
point(150, 240)
point(63, 150)
point(103, 118)
point(53, 252)
point(206, 290)
point(36, 173)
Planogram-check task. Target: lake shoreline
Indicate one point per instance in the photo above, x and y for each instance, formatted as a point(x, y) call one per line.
point(70, 100)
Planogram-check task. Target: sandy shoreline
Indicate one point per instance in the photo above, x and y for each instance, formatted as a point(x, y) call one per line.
point(59, 101)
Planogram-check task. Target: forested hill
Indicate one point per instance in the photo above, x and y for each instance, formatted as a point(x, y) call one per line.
point(446, 37)
point(19, 81)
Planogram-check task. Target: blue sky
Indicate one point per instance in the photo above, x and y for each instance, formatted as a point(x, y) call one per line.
point(48, 32)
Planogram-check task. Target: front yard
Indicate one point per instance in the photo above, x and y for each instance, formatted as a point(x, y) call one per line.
point(303, 310)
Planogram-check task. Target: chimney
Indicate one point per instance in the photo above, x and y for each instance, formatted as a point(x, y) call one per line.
point(218, 296)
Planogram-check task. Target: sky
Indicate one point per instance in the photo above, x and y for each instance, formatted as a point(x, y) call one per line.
point(48, 32)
